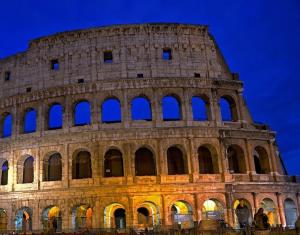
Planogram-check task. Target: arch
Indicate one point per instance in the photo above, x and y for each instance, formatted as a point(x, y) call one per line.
point(23, 220)
point(28, 170)
point(82, 165)
point(4, 171)
point(55, 116)
point(148, 215)
point(141, 109)
point(113, 163)
point(176, 161)
point(200, 108)
point(228, 109)
point(111, 111)
point(261, 160)
point(290, 211)
point(29, 125)
point(236, 159)
point(212, 209)
point(52, 170)
point(270, 210)
point(82, 217)
point(208, 160)
point(144, 162)
point(171, 108)
point(82, 113)
point(6, 125)
point(182, 213)
point(115, 216)
point(51, 218)
point(243, 214)
point(3, 219)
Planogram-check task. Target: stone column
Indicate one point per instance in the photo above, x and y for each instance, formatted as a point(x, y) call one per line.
point(215, 106)
point(255, 203)
point(230, 209)
point(157, 107)
point(250, 159)
point(186, 106)
point(273, 168)
point(125, 110)
point(96, 219)
point(280, 209)
point(240, 107)
point(194, 160)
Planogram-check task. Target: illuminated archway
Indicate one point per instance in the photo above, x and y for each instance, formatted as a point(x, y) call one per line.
point(182, 214)
point(3, 219)
point(212, 209)
point(82, 217)
point(115, 216)
point(23, 220)
point(290, 211)
point(52, 215)
point(270, 210)
point(239, 210)
point(148, 215)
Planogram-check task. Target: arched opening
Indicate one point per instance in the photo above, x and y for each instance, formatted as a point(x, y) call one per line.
point(23, 220)
point(28, 170)
point(53, 167)
point(52, 219)
point(111, 111)
point(270, 210)
point(199, 107)
point(212, 209)
point(82, 217)
point(4, 172)
point(228, 109)
point(141, 109)
point(208, 160)
point(55, 117)
point(82, 165)
point(182, 214)
point(143, 216)
point(236, 160)
point(113, 163)
point(82, 113)
point(115, 216)
point(290, 211)
point(144, 162)
point(176, 161)
point(29, 124)
point(6, 125)
point(261, 161)
point(242, 215)
point(171, 108)
point(3, 219)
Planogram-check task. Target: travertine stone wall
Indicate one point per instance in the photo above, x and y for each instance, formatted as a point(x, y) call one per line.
point(136, 49)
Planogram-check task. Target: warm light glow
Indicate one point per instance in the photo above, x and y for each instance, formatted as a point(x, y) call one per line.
point(209, 205)
point(53, 212)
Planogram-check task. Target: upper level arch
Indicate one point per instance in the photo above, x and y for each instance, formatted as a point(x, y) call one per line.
point(176, 160)
point(141, 108)
point(81, 164)
point(113, 163)
point(261, 160)
point(111, 110)
point(171, 108)
point(6, 124)
point(52, 167)
point(200, 108)
point(236, 159)
point(55, 116)
point(228, 108)
point(82, 113)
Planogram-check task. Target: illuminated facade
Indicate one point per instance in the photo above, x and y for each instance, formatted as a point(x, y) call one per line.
point(132, 126)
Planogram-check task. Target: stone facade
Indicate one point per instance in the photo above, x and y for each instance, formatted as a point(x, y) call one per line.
point(196, 68)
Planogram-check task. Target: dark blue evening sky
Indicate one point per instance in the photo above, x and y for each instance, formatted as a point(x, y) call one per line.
point(260, 39)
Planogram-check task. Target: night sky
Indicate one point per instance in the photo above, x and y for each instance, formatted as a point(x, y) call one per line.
point(259, 39)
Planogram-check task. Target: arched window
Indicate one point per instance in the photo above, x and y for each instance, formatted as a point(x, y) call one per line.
point(144, 162)
point(55, 117)
point(208, 164)
point(290, 211)
point(236, 159)
point(111, 111)
point(4, 173)
point(270, 210)
point(261, 160)
point(53, 168)
point(171, 108)
point(143, 216)
point(120, 218)
point(113, 163)
point(28, 174)
point(176, 161)
point(30, 121)
point(7, 125)
point(199, 109)
point(141, 109)
point(82, 113)
point(3, 220)
point(228, 109)
point(82, 165)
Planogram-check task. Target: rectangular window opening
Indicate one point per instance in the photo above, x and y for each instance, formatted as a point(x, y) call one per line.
point(140, 75)
point(7, 76)
point(80, 80)
point(197, 75)
point(28, 89)
point(167, 54)
point(55, 64)
point(108, 57)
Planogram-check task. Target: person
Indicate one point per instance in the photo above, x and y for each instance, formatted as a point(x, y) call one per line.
point(243, 214)
point(261, 220)
point(54, 224)
point(24, 223)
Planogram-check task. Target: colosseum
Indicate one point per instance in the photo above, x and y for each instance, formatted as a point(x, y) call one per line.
point(133, 126)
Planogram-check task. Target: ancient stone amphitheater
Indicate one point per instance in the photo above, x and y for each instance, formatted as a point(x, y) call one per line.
point(133, 126)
